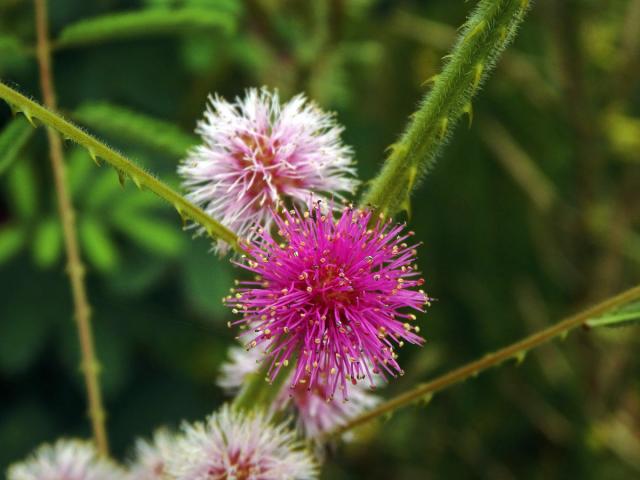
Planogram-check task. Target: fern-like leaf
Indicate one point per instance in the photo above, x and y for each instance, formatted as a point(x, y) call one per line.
point(623, 317)
point(12, 139)
point(144, 23)
point(121, 122)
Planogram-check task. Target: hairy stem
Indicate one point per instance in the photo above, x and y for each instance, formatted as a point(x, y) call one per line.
point(485, 35)
point(515, 351)
point(124, 167)
point(75, 269)
point(258, 391)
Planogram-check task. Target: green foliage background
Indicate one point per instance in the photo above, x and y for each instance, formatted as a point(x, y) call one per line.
point(532, 212)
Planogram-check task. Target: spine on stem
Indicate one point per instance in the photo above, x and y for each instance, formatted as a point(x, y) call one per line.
point(123, 166)
point(488, 30)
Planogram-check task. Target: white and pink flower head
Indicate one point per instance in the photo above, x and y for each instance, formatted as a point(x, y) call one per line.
point(239, 446)
point(258, 153)
point(150, 459)
point(66, 460)
point(335, 297)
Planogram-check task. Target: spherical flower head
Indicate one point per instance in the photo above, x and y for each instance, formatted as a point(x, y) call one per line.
point(315, 415)
point(257, 152)
point(232, 445)
point(65, 460)
point(151, 457)
point(335, 297)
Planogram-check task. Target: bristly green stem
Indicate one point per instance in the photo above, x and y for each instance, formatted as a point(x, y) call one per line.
point(89, 365)
point(124, 167)
point(258, 392)
point(485, 35)
point(516, 351)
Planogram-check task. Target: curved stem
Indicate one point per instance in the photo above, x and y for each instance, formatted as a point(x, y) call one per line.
point(485, 35)
point(516, 351)
point(124, 167)
point(75, 268)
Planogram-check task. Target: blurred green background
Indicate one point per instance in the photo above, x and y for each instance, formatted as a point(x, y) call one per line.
point(532, 212)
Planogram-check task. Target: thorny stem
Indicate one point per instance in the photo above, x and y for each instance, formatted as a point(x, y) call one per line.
point(485, 35)
point(516, 351)
point(260, 392)
point(75, 269)
point(123, 166)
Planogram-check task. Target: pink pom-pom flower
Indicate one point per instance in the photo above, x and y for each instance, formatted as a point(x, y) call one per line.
point(234, 445)
point(335, 297)
point(257, 153)
point(150, 458)
point(66, 459)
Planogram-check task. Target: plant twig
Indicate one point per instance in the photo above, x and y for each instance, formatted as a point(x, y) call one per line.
point(124, 167)
point(485, 35)
point(75, 269)
point(515, 351)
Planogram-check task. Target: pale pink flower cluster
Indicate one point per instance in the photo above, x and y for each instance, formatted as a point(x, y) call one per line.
point(66, 460)
point(228, 445)
point(231, 445)
point(150, 458)
point(257, 153)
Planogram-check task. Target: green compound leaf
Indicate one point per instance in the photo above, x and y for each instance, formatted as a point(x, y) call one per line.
point(145, 23)
point(23, 190)
point(12, 238)
point(97, 245)
point(623, 317)
point(151, 235)
point(12, 139)
point(123, 123)
point(47, 242)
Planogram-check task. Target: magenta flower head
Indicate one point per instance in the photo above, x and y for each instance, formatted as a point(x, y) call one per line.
point(335, 297)
point(66, 460)
point(257, 152)
point(240, 446)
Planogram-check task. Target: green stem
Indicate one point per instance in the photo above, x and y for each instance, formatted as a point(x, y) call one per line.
point(257, 391)
point(123, 166)
point(75, 269)
point(515, 351)
point(485, 35)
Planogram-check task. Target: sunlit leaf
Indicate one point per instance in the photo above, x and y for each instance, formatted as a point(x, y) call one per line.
point(79, 169)
point(12, 239)
point(622, 317)
point(22, 190)
point(12, 139)
point(47, 242)
point(144, 23)
point(97, 245)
